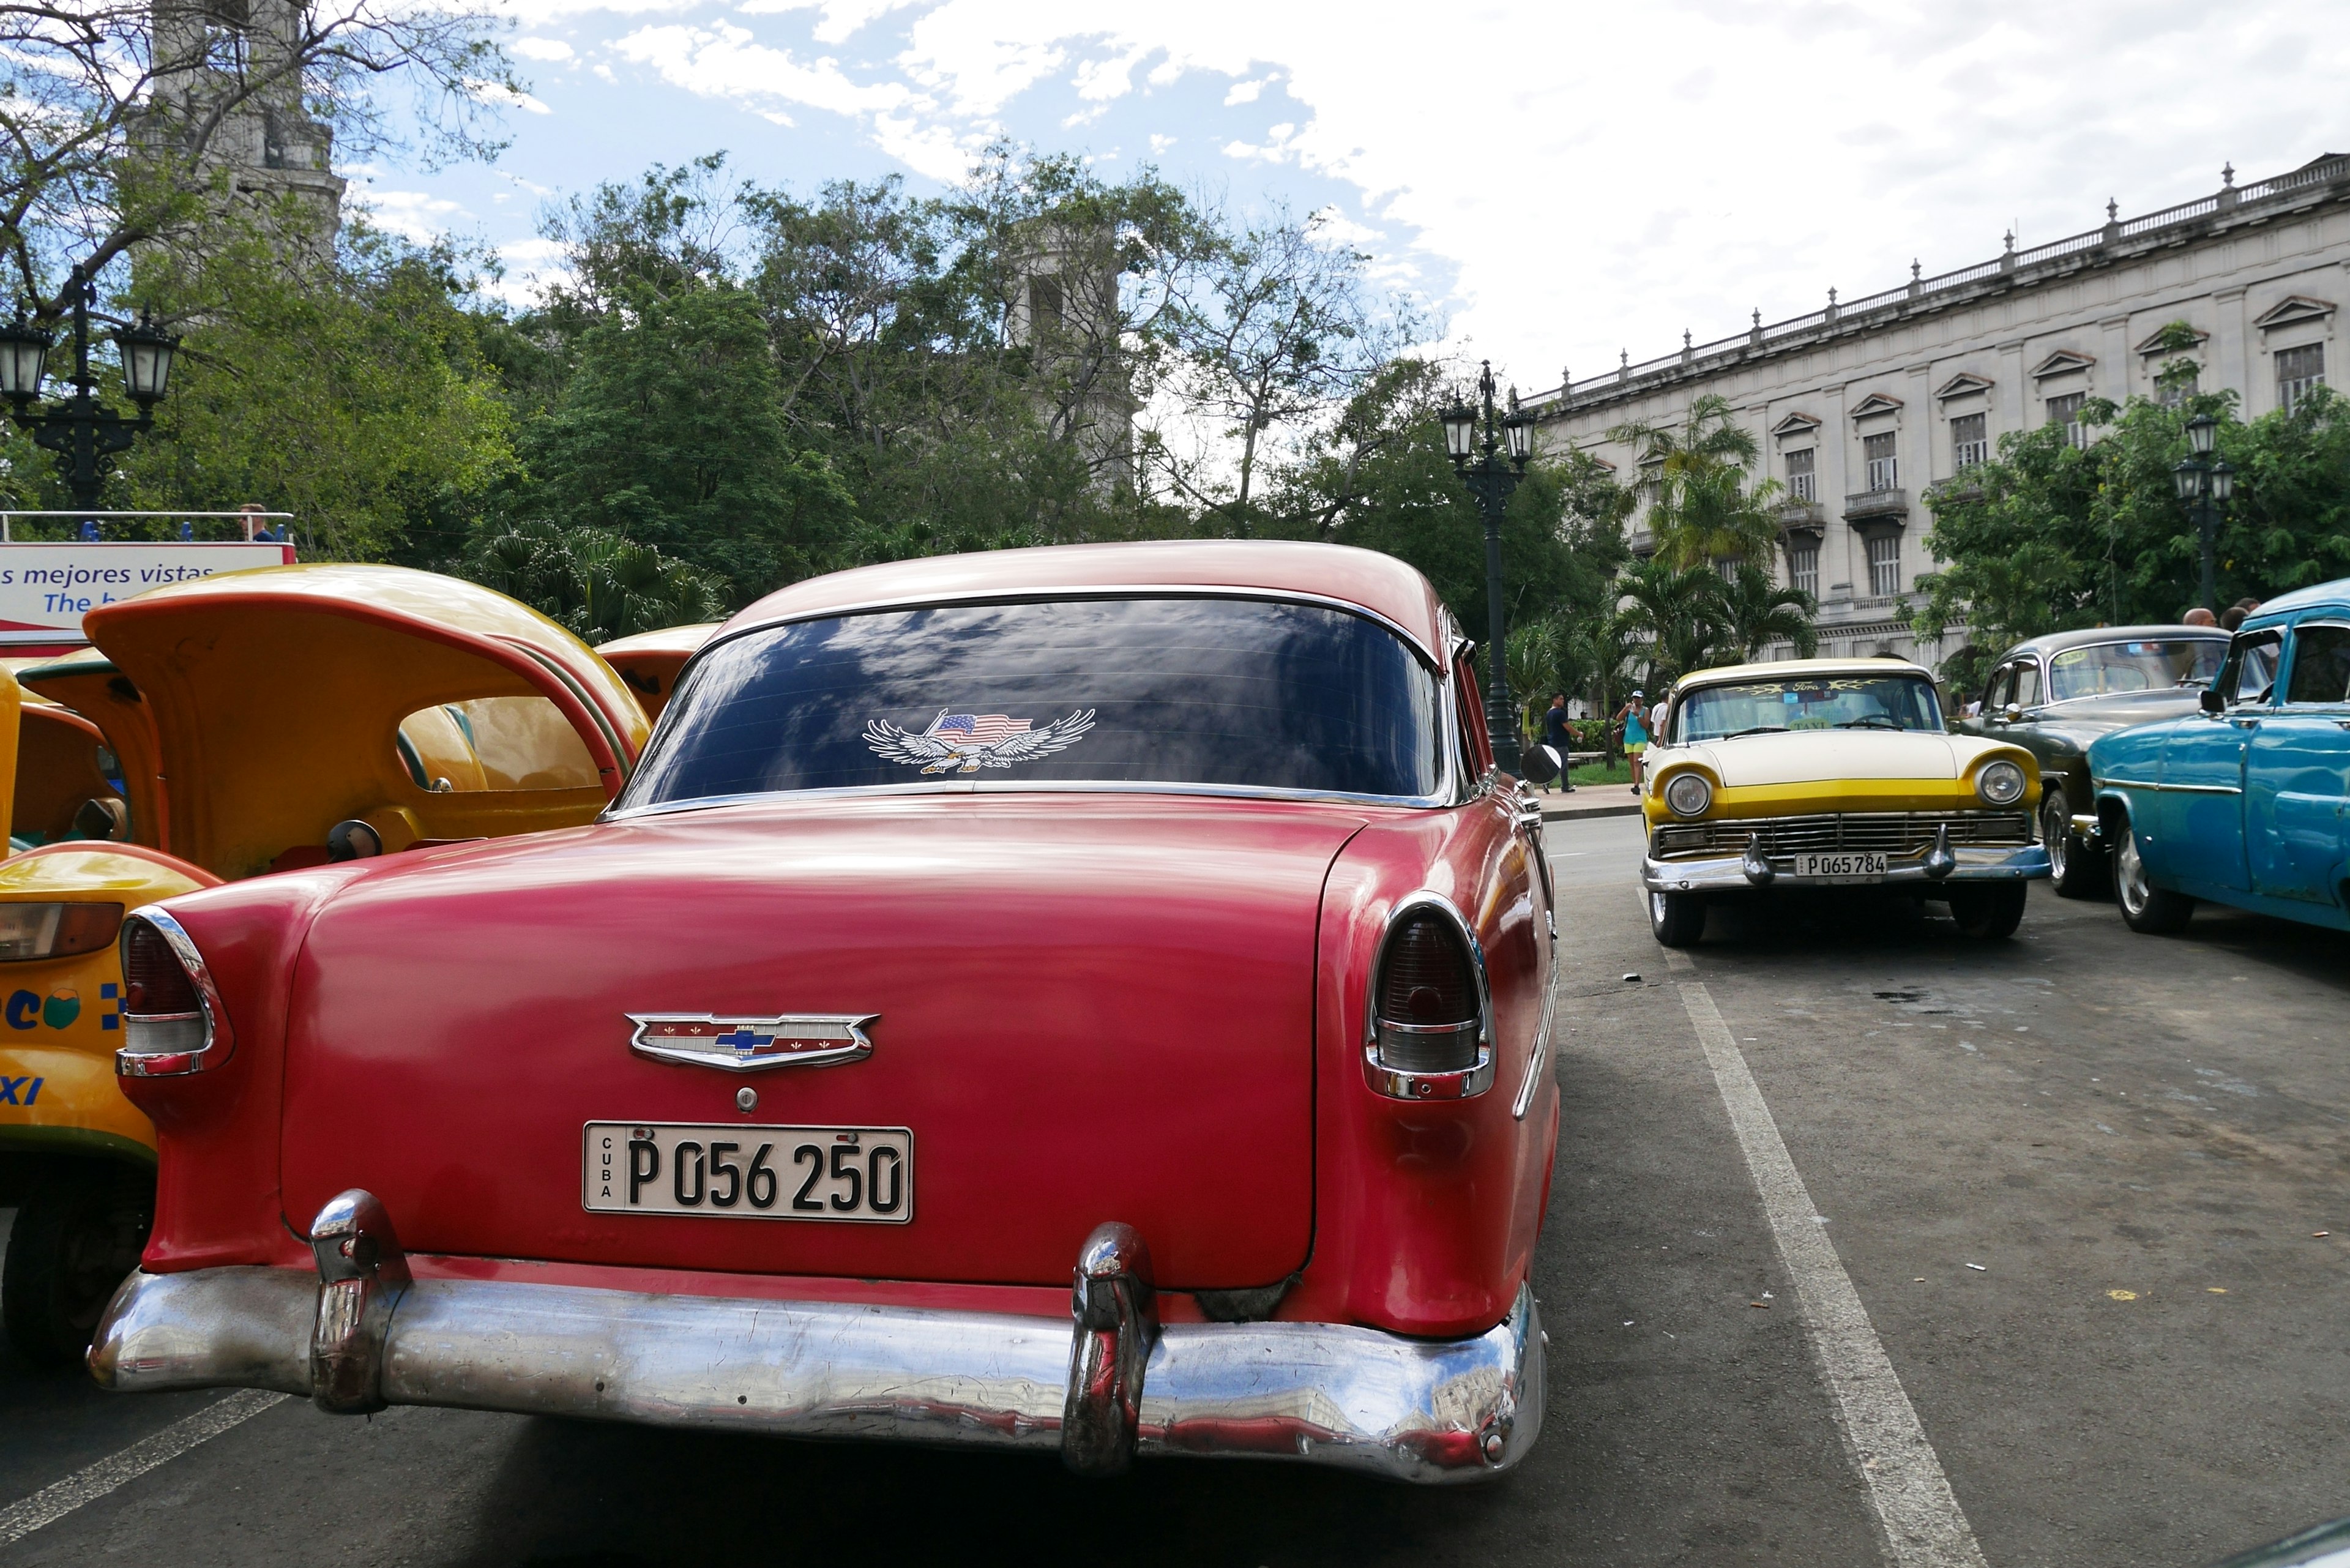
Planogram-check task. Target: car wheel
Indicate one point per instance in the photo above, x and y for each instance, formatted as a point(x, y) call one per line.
point(2147, 908)
point(1676, 918)
point(78, 1233)
point(2076, 871)
point(1989, 913)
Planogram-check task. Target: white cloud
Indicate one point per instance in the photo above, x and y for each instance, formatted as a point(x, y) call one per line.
point(1579, 179)
point(539, 13)
point(413, 216)
point(723, 61)
point(544, 49)
point(502, 95)
point(841, 20)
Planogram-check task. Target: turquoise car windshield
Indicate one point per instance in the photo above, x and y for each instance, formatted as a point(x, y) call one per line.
point(2145, 664)
point(1815, 703)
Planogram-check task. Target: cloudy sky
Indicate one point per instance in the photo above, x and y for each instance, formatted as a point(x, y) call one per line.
point(1559, 182)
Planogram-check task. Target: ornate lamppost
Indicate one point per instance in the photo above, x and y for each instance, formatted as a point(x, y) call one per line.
point(80, 429)
point(2205, 486)
point(1478, 458)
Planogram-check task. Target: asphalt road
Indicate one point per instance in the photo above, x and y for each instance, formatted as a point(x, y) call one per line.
point(2134, 1140)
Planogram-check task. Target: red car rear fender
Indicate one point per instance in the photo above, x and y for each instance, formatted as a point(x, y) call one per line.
point(217, 1188)
point(1427, 1211)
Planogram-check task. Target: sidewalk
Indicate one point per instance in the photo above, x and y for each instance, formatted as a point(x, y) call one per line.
point(1591, 800)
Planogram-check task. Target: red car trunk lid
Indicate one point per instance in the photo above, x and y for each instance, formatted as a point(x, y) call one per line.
point(1090, 1008)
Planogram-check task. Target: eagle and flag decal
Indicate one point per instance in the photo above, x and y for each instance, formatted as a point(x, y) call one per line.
point(966, 743)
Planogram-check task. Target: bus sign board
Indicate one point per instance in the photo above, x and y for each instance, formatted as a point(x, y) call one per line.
point(46, 588)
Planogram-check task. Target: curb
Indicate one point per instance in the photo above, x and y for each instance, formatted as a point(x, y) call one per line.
point(1563, 811)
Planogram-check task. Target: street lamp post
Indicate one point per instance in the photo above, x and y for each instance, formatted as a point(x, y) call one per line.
point(80, 429)
point(2205, 486)
point(1479, 458)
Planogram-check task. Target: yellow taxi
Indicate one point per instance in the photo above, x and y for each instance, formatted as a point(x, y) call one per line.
point(1832, 776)
point(225, 727)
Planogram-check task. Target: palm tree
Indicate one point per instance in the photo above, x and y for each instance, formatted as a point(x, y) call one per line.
point(1704, 509)
point(597, 583)
point(1675, 612)
point(1756, 612)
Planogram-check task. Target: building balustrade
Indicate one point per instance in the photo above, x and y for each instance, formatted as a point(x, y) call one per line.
point(1876, 504)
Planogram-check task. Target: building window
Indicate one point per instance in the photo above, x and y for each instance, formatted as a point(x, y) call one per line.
point(1804, 569)
point(1969, 442)
point(2300, 371)
point(1877, 455)
point(1803, 477)
point(2066, 411)
point(1044, 302)
point(2177, 383)
point(1885, 565)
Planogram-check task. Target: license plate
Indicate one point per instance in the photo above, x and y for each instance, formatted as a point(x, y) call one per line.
point(1840, 868)
point(858, 1175)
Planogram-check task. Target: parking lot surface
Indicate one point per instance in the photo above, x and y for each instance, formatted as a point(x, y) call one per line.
point(2084, 1192)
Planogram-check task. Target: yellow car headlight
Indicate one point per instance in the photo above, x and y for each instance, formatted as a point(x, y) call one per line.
point(1688, 794)
point(2001, 783)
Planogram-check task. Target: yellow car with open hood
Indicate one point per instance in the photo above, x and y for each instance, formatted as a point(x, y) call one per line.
point(1835, 774)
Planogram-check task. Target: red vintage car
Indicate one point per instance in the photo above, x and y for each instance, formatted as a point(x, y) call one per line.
point(1155, 912)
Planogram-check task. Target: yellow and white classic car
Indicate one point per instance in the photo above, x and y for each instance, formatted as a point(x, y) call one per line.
point(1831, 773)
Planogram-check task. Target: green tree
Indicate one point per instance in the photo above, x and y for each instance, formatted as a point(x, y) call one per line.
point(1756, 611)
point(1676, 613)
point(353, 394)
point(670, 434)
point(596, 582)
point(1703, 510)
point(2050, 537)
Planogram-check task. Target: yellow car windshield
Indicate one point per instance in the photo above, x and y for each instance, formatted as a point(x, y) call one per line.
point(1830, 702)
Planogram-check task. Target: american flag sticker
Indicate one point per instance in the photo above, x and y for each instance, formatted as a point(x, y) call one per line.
point(957, 742)
point(975, 729)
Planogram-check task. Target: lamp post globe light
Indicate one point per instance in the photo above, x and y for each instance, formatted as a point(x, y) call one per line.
point(80, 429)
point(2205, 486)
point(1490, 460)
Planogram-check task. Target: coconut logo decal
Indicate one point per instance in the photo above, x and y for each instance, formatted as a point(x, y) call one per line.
point(966, 743)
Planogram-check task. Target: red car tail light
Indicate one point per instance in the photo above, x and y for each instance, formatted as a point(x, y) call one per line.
point(1428, 1007)
point(172, 1019)
point(30, 931)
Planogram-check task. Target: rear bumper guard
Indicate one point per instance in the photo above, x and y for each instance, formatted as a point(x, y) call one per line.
point(1112, 1384)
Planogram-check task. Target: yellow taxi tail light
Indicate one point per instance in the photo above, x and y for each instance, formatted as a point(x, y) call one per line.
point(48, 931)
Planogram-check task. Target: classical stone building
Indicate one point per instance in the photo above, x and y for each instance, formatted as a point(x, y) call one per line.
point(1860, 406)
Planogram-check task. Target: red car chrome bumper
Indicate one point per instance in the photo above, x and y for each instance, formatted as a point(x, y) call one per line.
point(360, 1335)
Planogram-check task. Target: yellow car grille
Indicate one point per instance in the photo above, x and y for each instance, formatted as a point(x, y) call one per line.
point(1893, 833)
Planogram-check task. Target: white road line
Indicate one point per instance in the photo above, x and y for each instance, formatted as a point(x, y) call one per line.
point(1922, 1524)
point(91, 1482)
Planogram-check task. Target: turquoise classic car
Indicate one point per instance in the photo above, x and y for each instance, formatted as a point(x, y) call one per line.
point(2247, 802)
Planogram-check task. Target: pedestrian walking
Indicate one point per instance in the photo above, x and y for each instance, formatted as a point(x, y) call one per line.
point(1560, 739)
point(1634, 717)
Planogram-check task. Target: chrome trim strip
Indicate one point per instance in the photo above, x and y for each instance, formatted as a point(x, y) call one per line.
point(2174, 788)
point(217, 1033)
point(1539, 1059)
point(1427, 1411)
point(1036, 786)
point(1396, 1082)
point(1085, 592)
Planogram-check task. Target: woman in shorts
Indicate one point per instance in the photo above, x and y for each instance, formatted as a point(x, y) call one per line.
point(1634, 717)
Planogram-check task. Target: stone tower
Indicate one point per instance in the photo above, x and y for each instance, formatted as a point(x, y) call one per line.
point(207, 50)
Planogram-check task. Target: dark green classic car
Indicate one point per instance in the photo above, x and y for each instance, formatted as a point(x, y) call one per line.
point(2055, 694)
